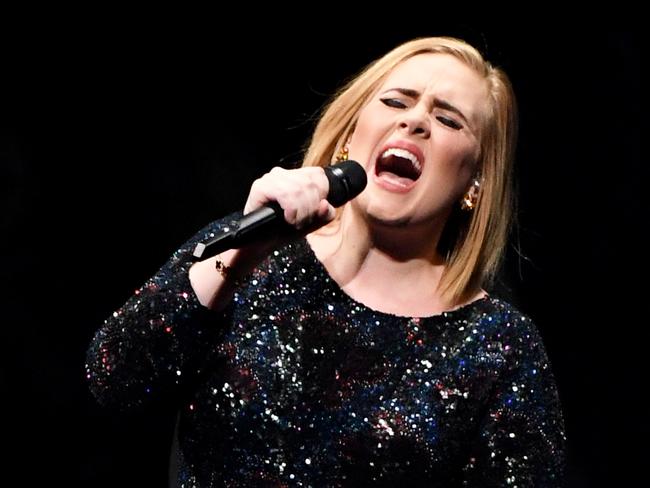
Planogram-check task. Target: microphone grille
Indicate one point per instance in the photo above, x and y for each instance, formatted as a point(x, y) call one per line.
point(347, 179)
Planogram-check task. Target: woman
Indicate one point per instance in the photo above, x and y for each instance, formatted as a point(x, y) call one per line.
point(364, 350)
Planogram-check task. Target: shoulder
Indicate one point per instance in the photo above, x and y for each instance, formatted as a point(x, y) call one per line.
point(503, 313)
point(501, 319)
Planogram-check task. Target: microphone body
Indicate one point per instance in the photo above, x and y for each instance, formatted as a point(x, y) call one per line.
point(346, 181)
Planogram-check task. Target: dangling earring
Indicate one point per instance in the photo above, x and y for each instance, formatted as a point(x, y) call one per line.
point(470, 199)
point(343, 154)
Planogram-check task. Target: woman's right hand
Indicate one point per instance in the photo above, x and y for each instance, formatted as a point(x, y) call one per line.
point(302, 195)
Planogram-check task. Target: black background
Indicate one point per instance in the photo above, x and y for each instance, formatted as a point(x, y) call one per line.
point(120, 139)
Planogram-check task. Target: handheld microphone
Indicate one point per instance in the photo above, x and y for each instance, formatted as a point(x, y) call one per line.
point(346, 181)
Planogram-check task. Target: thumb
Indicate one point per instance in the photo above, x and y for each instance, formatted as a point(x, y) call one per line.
point(326, 211)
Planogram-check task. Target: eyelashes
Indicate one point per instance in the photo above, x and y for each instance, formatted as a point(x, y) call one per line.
point(393, 102)
point(396, 103)
point(449, 122)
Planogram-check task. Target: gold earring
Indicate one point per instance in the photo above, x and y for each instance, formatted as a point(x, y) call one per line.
point(470, 199)
point(343, 154)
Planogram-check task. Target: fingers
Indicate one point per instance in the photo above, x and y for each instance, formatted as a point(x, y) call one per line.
point(300, 192)
point(326, 211)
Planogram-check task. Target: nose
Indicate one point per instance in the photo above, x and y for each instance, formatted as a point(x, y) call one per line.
point(416, 122)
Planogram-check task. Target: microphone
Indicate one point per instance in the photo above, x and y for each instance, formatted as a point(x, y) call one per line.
point(346, 181)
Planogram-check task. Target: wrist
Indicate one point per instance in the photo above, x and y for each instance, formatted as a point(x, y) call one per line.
point(235, 265)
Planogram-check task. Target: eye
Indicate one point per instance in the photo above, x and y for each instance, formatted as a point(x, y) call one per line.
point(449, 122)
point(393, 102)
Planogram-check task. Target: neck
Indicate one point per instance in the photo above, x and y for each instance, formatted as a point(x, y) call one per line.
point(362, 253)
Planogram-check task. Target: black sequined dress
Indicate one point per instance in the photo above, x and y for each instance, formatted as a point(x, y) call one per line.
point(298, 384)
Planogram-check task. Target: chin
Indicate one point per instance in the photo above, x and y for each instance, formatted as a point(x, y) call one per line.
point(385, 216)
point(380, 209)
point(389, 221)
point(372, 208)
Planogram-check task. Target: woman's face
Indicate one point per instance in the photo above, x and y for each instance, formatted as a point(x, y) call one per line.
point(418, 139)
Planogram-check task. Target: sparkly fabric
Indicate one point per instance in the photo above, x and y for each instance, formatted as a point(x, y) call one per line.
point(297, 384)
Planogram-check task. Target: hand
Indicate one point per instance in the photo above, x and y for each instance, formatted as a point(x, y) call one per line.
point(300, 192)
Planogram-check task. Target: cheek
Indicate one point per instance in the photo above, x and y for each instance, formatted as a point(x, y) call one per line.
point(364, 129)
point(455, 165)
point(456, 153)
point(371, 125)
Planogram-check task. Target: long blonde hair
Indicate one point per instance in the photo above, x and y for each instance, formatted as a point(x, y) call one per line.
point(473, 244)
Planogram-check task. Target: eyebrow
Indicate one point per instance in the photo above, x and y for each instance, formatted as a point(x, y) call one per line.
point(437, 102)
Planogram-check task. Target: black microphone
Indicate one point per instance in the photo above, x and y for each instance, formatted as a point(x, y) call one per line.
point(346, 181)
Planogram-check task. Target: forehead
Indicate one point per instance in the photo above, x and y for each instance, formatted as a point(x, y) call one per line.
point(442, 76)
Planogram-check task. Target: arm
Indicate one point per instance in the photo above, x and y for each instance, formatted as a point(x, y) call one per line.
point(301, 194)
point(158, 338)
point(521, 440)
point(166, 331)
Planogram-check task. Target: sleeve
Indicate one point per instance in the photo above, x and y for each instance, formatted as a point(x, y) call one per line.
point(159, 339)
point(521, 439)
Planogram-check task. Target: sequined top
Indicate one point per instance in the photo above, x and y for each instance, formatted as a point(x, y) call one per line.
point(297, 384)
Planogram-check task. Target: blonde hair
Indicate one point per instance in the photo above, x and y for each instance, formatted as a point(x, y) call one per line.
point(473, 243)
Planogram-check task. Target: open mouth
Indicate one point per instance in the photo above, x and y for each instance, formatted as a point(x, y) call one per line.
point(399, 165)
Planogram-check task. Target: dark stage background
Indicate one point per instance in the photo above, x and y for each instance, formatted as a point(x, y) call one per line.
point(118, 143)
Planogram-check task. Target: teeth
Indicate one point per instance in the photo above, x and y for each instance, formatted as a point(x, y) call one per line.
point(403, 153)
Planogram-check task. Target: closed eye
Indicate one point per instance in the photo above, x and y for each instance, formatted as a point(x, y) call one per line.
point(449, 122)
point(397, 103)
point(393, 102)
